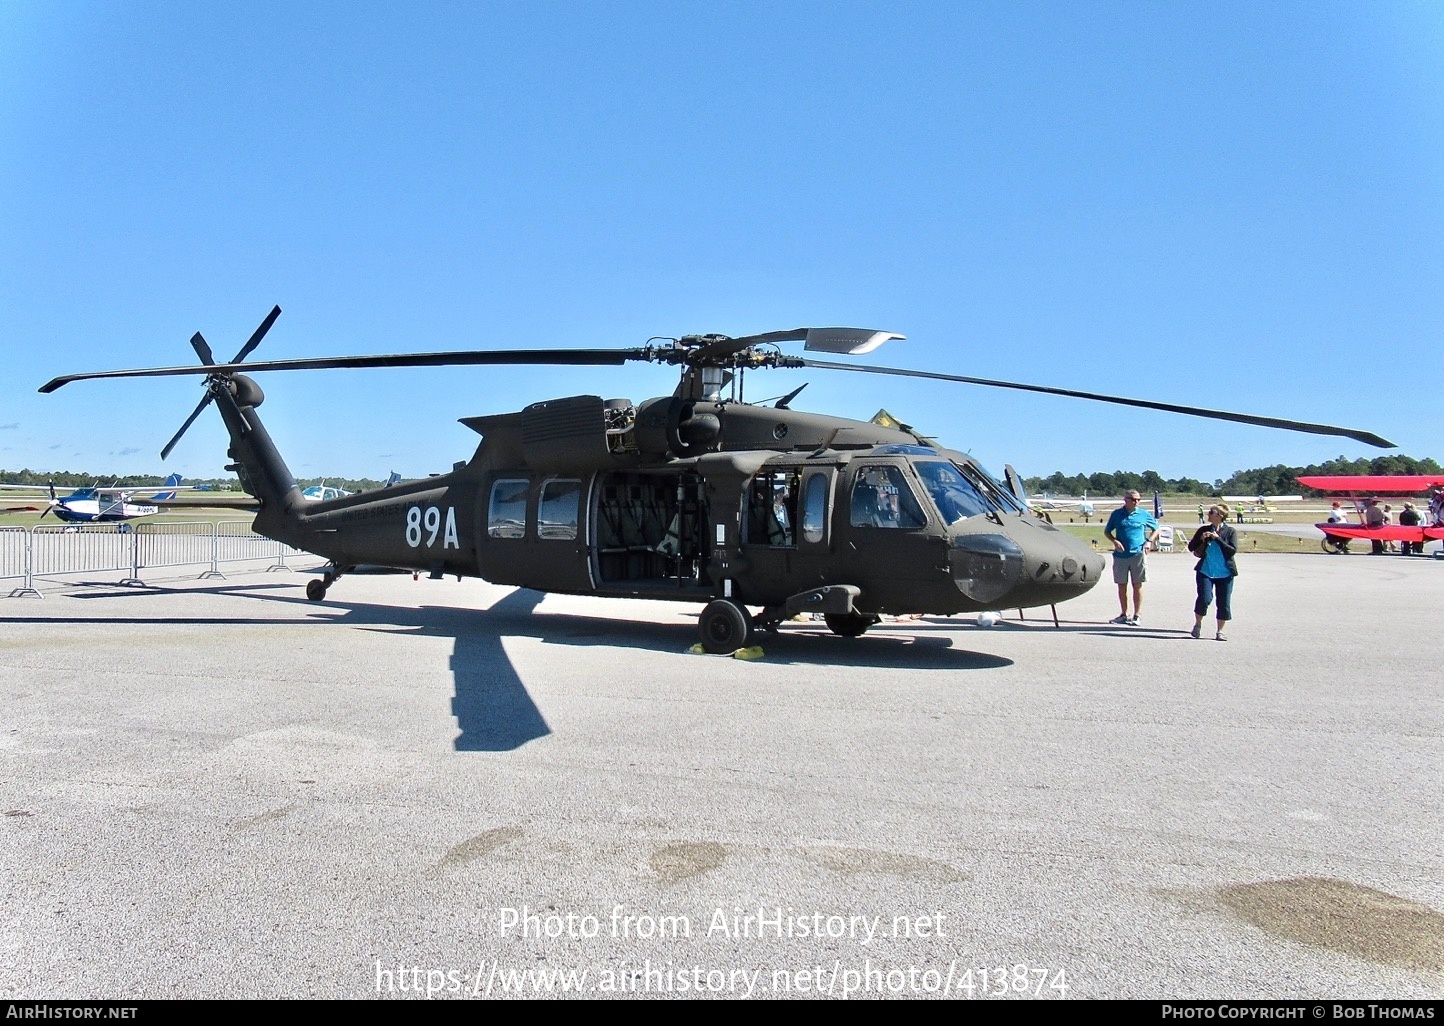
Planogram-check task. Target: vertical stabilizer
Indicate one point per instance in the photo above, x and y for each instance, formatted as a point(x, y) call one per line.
point(258, 464)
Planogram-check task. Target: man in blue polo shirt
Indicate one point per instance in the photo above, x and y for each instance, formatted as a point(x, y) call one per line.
point(1131, 529)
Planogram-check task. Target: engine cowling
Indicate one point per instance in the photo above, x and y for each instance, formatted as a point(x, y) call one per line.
point(679, 427)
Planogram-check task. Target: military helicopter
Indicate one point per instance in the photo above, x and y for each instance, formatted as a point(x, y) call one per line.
point(694, 497)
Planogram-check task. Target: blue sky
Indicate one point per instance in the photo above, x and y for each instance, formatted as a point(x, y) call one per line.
point(1236, 205)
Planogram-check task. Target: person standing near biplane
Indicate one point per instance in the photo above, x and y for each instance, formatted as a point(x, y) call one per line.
point(1215, 544)
point(1375, 518)
point(1409, 517)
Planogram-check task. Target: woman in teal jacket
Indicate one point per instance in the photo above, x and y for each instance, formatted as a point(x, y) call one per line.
point(1215, 544)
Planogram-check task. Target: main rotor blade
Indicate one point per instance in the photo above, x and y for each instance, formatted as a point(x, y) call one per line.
point(847, 341)
point(728, 346)
point(463, 358)
point(1367, 437)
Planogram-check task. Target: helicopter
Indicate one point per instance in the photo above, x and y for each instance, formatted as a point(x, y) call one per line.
point(696, 497)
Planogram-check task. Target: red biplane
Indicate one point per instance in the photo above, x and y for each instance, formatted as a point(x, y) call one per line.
point(1375, 489)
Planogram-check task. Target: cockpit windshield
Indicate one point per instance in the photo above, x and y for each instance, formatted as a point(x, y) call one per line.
point(953, 494)
point(961, 491)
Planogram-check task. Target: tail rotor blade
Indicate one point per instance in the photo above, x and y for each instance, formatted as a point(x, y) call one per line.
point(165, 453)
point(203, 349)
point(257, 335)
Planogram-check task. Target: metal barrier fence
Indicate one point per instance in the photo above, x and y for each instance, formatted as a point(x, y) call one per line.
point(172, 545)
point(15, 558)
point(80, 548)
point(49, 551)
point(235, 542)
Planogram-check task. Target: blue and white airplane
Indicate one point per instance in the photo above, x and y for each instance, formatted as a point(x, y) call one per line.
point(103, 505)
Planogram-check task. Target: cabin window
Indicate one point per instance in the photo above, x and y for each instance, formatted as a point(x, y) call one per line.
point(557, 513)
point(506, 515)
point(814, 508)
point(772, 509)
point(881, 498)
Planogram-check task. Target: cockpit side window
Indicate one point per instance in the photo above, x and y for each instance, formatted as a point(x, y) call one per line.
point(954, 495)
point(814, 507)
point(881, 497)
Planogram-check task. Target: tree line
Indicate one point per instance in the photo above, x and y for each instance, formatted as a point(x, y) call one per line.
point(70, 480)
point(1275, 480)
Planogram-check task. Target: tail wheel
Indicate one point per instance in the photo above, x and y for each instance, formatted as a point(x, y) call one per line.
point(315, 590)
point(849, 625)
point(725, 627)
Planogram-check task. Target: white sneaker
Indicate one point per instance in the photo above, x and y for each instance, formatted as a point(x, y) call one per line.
point(1120, 619)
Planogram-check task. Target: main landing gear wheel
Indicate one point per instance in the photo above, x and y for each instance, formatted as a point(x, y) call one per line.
point(1335, 546)
point(849, 625)
point(725, 627)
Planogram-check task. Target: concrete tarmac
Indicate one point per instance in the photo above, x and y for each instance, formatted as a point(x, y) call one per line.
point(218, 789)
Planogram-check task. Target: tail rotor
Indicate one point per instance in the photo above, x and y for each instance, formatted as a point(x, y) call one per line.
point(203, 350)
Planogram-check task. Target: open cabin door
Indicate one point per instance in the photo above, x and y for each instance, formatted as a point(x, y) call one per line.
point(649, 531)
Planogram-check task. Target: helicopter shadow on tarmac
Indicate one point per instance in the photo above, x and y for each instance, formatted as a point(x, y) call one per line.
point(517, 616)
point(493, 709)
point(496, 713)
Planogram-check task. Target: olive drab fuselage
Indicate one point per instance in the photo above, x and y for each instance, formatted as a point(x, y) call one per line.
point(688, 500)
point(689, 497)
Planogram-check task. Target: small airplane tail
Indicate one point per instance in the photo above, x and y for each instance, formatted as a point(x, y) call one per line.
point(171, 483)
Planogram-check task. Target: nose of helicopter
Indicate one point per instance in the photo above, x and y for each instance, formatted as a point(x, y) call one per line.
point(1027, 563)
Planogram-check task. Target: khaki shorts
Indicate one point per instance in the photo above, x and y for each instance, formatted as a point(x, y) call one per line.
point(1125, 567)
